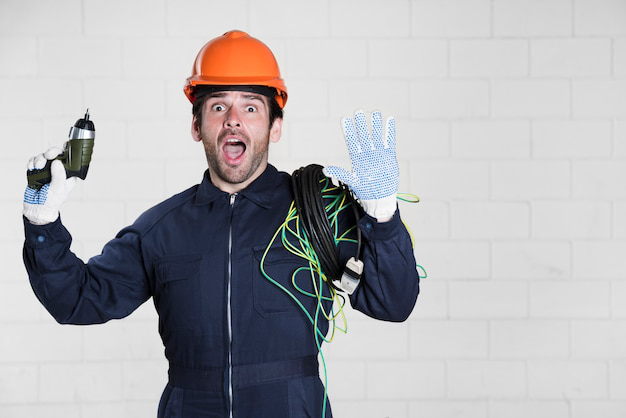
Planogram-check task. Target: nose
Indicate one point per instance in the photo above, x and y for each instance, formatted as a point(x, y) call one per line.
point(232, 119)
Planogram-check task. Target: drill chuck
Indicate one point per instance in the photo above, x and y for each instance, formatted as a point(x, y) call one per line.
point(75, 157)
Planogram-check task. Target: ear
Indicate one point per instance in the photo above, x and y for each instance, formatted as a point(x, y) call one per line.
point(276, 130)
point(195, 133)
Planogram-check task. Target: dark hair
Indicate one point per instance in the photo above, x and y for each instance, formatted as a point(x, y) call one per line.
point(198, 105)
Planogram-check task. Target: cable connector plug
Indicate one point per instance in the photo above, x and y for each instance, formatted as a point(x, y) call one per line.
point(351, 275)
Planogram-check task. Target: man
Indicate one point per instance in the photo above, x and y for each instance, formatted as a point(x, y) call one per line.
point(237, 344)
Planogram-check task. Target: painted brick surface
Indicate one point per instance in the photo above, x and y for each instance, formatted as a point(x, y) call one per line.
point(489, 58)
point(511, 121)
point(532, 18)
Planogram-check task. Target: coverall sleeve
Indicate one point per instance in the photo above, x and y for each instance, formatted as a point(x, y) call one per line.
point(109, 286)
point(390, 281)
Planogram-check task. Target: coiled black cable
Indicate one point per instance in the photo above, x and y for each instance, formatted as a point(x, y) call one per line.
point(307, 183)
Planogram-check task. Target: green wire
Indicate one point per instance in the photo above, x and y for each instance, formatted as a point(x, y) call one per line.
point(336, 204)
point(290, 229)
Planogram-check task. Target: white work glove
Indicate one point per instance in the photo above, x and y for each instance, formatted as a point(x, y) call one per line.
point(42, 206)
point(375, 173)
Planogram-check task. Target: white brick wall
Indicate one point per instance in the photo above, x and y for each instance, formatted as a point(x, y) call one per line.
point(512, 128)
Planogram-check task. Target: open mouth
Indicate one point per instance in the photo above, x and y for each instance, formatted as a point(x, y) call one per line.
point(233, 150)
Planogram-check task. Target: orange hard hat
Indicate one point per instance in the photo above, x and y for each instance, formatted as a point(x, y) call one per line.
point(236, 59)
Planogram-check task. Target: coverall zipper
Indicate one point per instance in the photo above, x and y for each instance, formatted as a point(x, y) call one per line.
point(228, 307)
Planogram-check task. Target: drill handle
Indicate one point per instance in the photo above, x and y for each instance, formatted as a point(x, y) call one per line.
point(39, 177)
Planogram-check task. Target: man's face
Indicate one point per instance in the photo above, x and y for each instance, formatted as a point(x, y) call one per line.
point(235, 133)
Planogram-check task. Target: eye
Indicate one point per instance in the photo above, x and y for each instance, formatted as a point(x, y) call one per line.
point(218, 108)
point(250, 108)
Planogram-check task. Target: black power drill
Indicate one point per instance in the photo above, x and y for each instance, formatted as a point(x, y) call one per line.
point(75, 157)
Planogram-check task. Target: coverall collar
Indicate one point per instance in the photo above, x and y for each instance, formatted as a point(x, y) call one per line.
point(260, 191)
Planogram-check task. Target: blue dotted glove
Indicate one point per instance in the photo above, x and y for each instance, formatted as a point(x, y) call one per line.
point(42, 206)
point(375, 173)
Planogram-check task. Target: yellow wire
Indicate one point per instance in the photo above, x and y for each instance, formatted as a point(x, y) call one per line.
point(306, 253)
point(408, 197)
point(303, 250)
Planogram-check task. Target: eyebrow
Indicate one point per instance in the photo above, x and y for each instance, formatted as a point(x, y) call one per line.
point(216, 94)
point(248, 96)
point(253, 96)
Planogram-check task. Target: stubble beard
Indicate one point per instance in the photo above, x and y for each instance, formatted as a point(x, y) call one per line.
point(242, 172)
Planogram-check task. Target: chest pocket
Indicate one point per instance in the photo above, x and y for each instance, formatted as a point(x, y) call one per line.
point(177, 295)
point(272, 295)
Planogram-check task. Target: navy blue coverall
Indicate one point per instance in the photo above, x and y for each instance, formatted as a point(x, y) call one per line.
point(235, 342)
